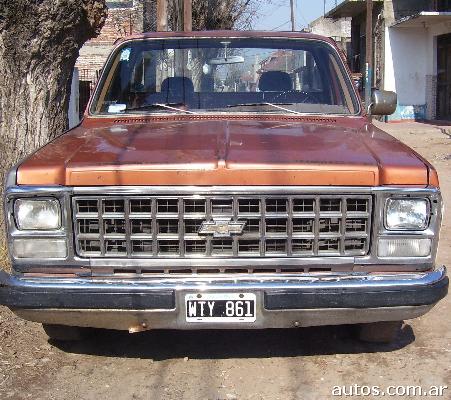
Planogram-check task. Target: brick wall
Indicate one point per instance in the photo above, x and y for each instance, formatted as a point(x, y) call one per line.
point(431, 97)
point(120, 22)
point(125, 17)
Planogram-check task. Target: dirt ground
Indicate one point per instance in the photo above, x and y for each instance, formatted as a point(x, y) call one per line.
point(293, 364)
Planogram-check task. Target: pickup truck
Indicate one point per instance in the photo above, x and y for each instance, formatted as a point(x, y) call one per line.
point(224, 180)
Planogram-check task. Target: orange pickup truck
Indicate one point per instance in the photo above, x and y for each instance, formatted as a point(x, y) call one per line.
point(224, 180)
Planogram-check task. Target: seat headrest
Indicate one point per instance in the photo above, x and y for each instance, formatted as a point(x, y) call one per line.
point(177, 84)
point(275, 81)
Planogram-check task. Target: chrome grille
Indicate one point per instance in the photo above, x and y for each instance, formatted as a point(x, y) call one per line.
point(275, 226)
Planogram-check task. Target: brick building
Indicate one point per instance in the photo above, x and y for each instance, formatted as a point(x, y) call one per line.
point(125, 17)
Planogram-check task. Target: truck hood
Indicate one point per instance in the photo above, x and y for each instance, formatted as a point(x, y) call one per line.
point(349, 152)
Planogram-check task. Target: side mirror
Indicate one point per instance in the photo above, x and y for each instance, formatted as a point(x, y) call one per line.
point(383, 102)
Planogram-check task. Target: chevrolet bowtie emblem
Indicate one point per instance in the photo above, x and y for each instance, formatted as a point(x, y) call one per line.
point(222, 228)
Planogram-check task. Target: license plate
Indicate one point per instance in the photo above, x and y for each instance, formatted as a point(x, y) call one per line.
point(220, 307)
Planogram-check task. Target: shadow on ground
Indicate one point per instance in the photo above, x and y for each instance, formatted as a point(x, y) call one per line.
point(224, 344)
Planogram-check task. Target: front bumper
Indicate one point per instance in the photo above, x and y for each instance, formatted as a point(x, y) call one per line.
point(282, 301)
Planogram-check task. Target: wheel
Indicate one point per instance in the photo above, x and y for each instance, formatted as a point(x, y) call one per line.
point(63, 333)
point(380, 332)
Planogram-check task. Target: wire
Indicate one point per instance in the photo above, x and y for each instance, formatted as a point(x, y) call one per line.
point(280, 26)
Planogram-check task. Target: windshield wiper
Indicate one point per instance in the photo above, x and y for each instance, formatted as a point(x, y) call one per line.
point(266, 104)
point(159, 105)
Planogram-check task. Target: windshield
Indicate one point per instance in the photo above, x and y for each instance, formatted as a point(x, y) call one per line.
point(196, 76)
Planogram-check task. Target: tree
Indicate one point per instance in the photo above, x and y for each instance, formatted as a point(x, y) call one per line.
point(223, 14)
point(39, 44)
point(214, 14)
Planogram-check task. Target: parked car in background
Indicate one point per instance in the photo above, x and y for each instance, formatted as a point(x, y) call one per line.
point(224, 180)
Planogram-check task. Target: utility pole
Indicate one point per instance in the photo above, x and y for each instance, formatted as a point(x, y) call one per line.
point(187, 15)
point(293, 15)
point(369, 53)
point(162, 15)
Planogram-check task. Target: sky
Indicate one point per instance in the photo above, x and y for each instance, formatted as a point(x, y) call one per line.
point(275, 14)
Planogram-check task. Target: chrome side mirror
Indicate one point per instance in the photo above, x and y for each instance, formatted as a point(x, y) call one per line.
point(383, 102)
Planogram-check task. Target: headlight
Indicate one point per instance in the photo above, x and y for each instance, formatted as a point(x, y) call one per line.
point(407, 214)
point(37, 214)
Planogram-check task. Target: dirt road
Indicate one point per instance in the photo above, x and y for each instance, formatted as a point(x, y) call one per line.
point(294, 364)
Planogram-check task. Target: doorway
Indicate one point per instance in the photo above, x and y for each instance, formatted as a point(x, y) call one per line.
point(444, 77)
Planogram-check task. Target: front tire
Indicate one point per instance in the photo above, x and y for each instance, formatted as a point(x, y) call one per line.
point(63, 333)
point(380, 332)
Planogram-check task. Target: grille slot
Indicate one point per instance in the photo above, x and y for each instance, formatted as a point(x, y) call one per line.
point(248, 206)
point(88, 226)
point(329, 225)
point(303, 246)
point(222, 206)
point(168, 226)
point(276, 205)
point(303, 205)
point(87, 206)
point(114, 226)
point(141, 247)
point(331, 246)
point(166, 206)
point(249, 247)
point(222, 247)
point(275, 226)
point(141, 206)
point(330, 205)
point(170, 247)
point(89, 247)
point(117, 247)
point(195, 206)
point(276, 246)
point(192, 226)
point(195, 247)
point(252, 226)
point(141, 226)
point(113, 206)
point(303, 225)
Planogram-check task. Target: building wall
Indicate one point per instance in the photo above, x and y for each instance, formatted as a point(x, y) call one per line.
point(331, 27)
point(411, 69)
point(406, 68)
point(338, 29)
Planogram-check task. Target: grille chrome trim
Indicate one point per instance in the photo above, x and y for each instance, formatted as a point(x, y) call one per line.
point(168, 225)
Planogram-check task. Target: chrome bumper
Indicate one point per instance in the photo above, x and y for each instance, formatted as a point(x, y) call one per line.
point(282, 301)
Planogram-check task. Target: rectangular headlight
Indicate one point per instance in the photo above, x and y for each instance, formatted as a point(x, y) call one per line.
point(404, 248)
point(407, 214)
point(37, 214)
point(39, 248)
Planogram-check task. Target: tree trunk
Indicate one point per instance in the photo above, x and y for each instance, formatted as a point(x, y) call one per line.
point(39, 44)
